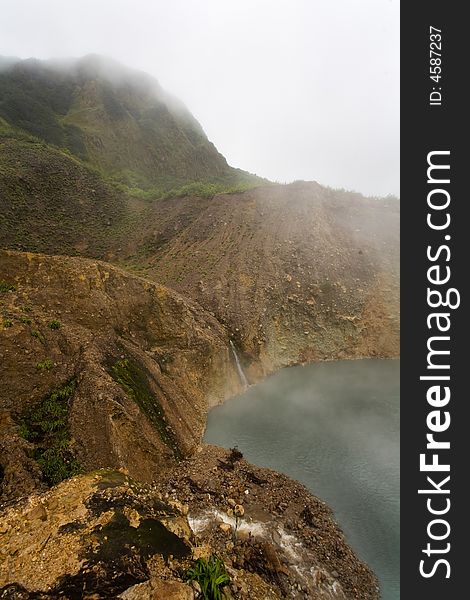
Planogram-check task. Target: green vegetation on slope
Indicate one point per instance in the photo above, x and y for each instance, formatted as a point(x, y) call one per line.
point(7, 287)
point(33, 100)
point(134, 382)
point(46, 425)
point(54, 203)
point(211, 575)
point(86, 151)
point(121, 122)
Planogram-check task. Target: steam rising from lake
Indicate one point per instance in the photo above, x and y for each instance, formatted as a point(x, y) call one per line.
point(335, 427)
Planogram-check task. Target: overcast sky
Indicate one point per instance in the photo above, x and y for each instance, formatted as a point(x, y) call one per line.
point(287, 89)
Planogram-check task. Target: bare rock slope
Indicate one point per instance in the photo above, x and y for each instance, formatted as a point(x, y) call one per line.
point(116, 364)
point(131, 364)
point(296, 272)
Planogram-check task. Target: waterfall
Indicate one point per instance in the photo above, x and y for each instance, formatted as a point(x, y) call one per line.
point(241, 374)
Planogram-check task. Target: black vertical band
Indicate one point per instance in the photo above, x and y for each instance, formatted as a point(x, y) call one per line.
point(434, 128)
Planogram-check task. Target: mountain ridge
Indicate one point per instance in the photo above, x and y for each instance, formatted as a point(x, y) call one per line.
point(296, 272)
point(118, 119)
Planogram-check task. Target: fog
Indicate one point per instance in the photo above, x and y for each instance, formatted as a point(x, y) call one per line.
point(286, 89)
point(335, 427)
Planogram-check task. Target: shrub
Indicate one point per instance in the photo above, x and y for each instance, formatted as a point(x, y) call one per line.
point(46, 425)
point(54, 324)
point(25, 320)
point(57, 464)
point(211, 575)
point(7, 323)
point(38, 335)
point(51, 415)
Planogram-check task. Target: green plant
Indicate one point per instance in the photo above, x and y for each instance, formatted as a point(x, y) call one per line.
point(208, 189)
point(57, 464)
point(211, 575)
point(45, 365)
point(26, 320)
point(7, 287)
point(50, 416)
point(7, 323)
point(46, 425)
point(26, 308)
point(54, 324)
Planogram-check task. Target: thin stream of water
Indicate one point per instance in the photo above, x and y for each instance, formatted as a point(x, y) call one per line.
point(241, 373)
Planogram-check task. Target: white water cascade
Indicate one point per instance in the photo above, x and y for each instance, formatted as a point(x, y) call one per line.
point(241, 374)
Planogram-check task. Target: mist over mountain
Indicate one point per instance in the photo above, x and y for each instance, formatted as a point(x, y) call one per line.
point(8, 61)
point(117, 119)
point(140, 276)
point(119, 170)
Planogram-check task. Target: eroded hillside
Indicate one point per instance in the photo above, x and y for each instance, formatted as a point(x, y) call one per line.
point(104, 369)
point(296, 272)
point(143, 363)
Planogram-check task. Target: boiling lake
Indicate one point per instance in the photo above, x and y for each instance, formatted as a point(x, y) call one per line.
point(333, 426)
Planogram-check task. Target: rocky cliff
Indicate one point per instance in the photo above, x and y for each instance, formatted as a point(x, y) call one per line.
point(296, 272)
point(145, 365)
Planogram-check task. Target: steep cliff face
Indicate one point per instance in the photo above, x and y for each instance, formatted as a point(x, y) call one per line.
point(294, 272)
point(101, 367)
point(132, 364)
point(104, 369)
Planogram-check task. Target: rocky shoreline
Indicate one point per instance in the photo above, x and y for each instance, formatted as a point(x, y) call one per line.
point(103, 535)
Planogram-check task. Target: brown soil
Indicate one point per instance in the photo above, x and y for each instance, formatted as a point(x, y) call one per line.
point(291, 274)
point(214, 479)
point(296, 273)
point(178, 352)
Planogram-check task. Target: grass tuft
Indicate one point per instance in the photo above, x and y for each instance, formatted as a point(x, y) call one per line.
point(45, 365)
point(211, 575)
point(38, 335)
